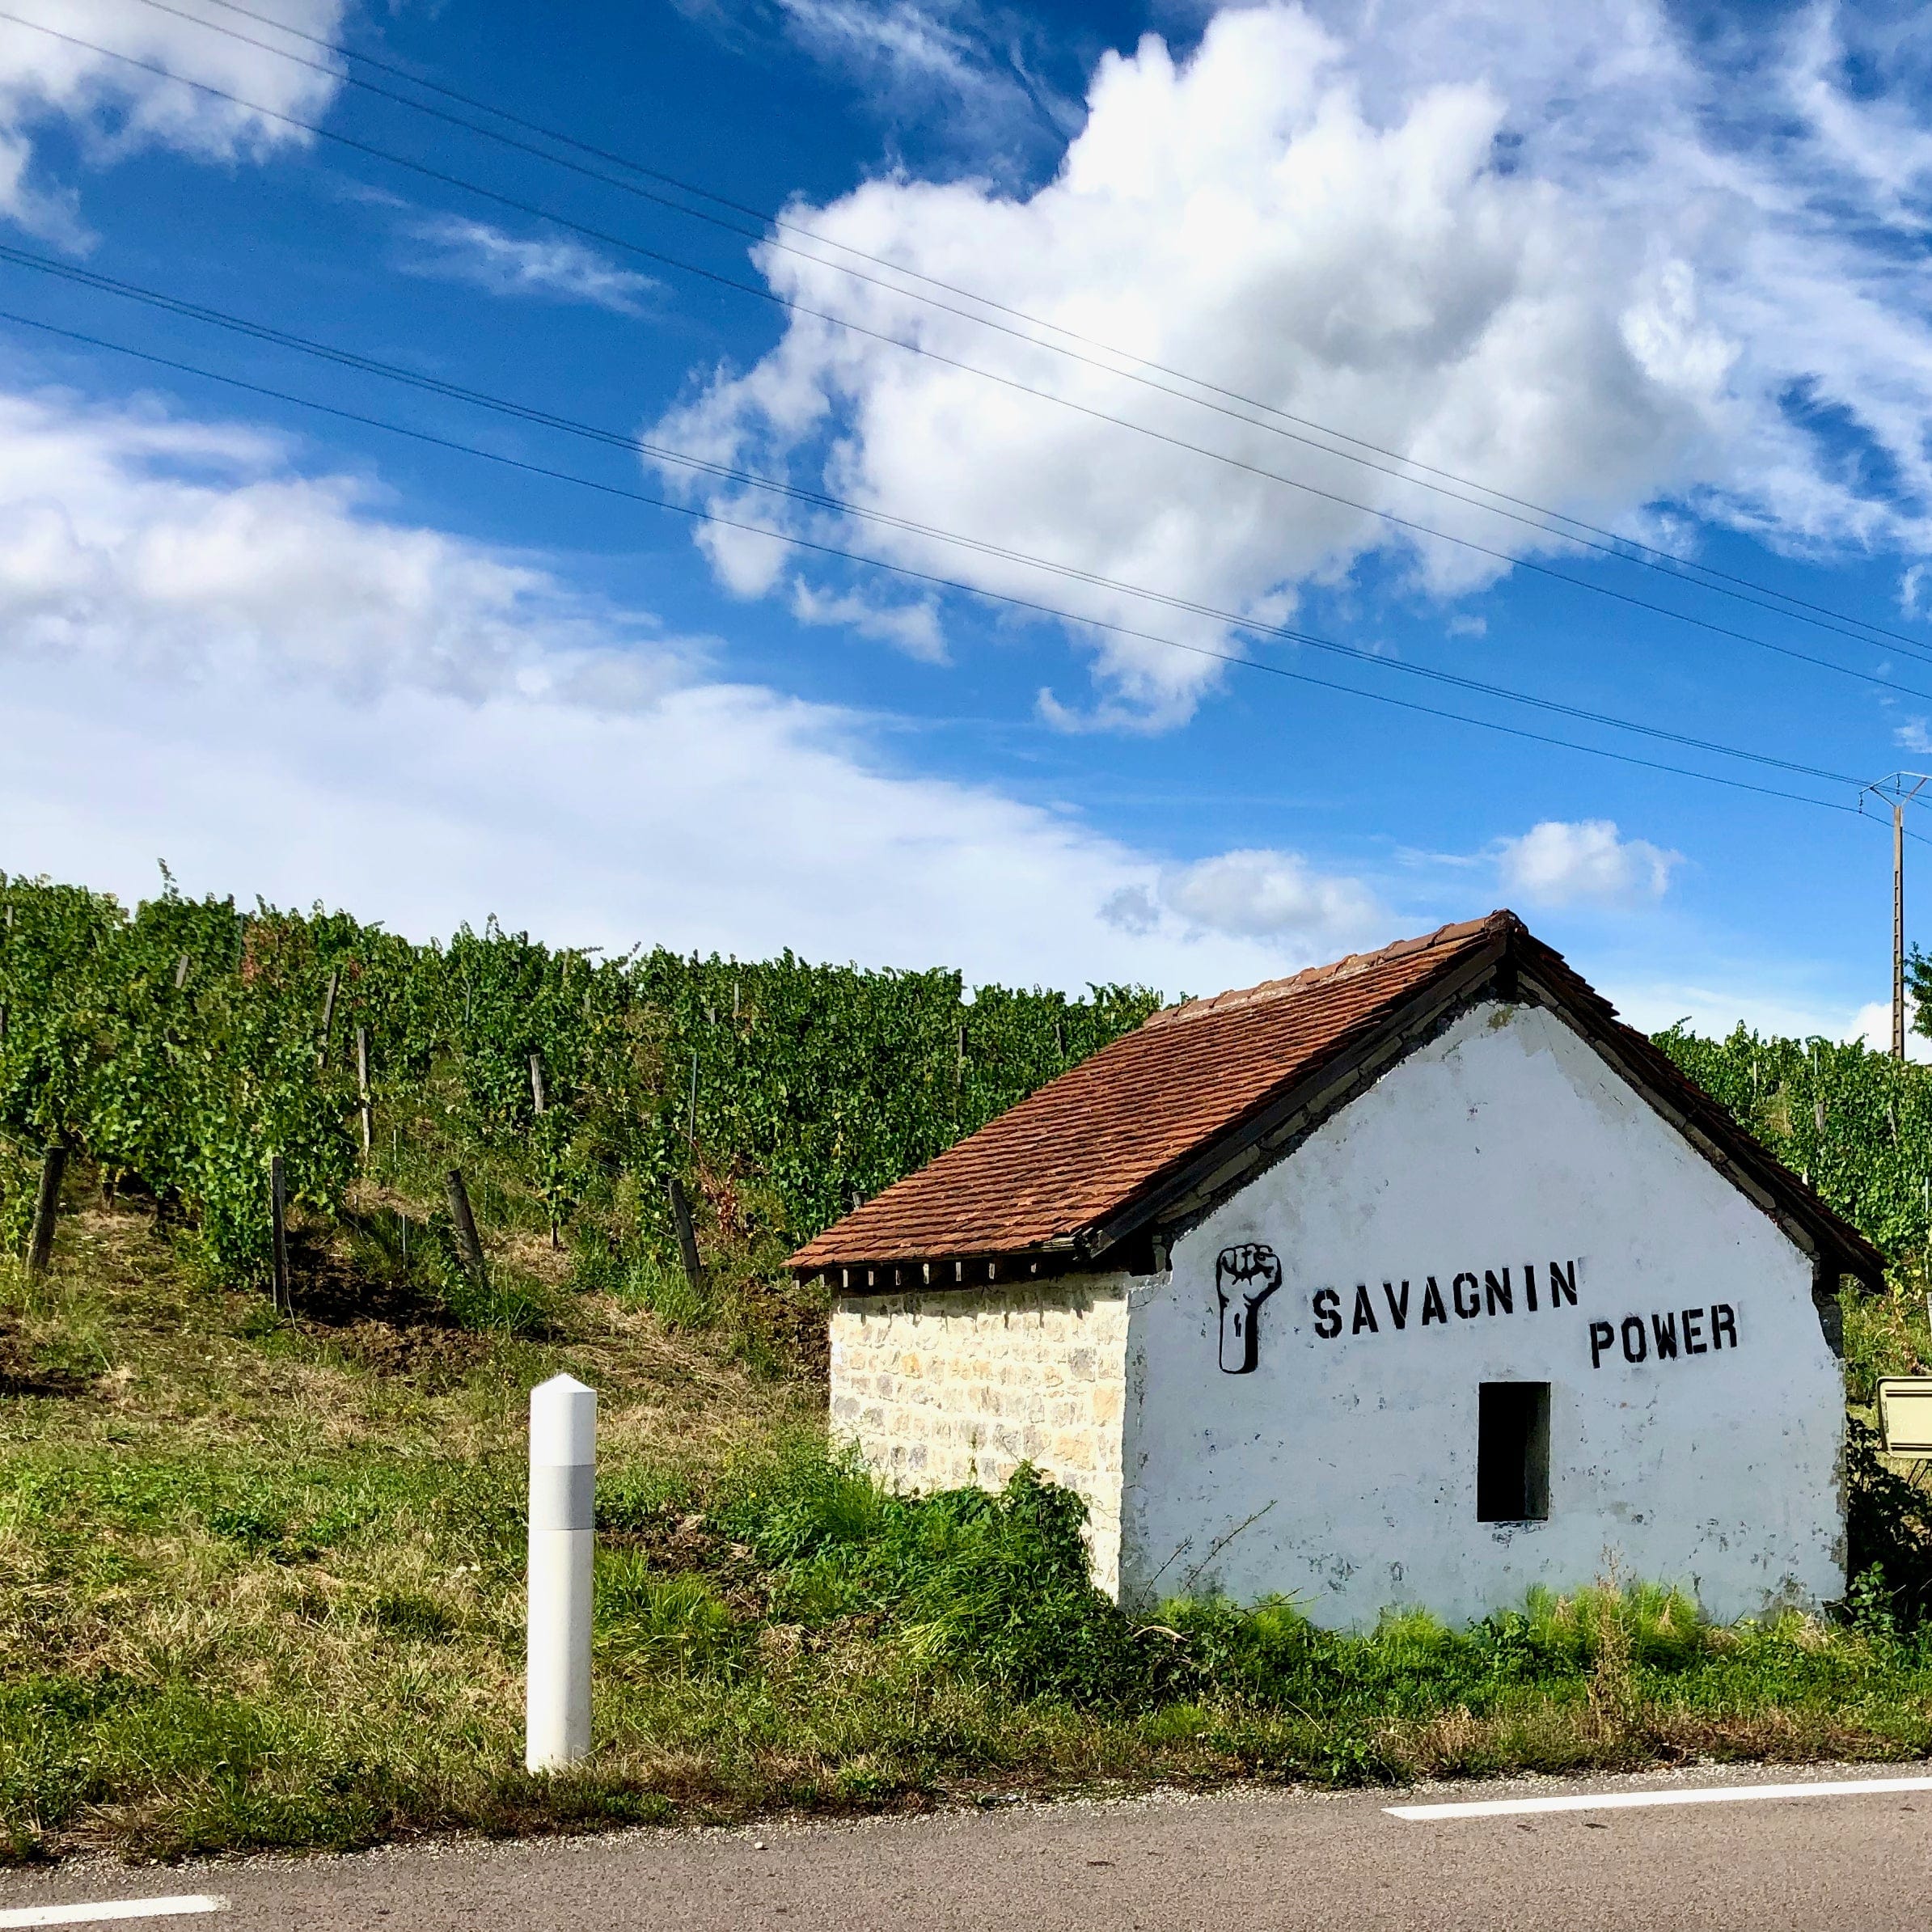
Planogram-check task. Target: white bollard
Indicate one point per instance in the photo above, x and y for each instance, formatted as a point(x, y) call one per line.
point(563, 1474)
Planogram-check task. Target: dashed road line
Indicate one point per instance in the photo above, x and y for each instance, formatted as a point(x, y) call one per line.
point(1628, 1801)
point(175, 1906)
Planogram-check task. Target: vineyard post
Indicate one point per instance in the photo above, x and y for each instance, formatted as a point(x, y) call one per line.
point(329, 1016)
point(687, 1235)
point(362, 1099)
point(180, 972)
point(278, 1214)
point(536, 1081)
point(47, 1207)
point(459, 1197)
point(690, 1132)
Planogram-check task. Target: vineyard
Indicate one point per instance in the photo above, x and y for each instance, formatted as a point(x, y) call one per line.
point(262, 1580)
point(178, 1051)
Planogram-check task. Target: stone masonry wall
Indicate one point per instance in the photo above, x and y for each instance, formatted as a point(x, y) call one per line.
point(941, 1390)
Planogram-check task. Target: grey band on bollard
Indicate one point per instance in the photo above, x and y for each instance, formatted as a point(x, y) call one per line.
point(561, 1495)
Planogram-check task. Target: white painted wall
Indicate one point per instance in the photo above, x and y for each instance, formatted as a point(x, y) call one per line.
point(1504, 1142)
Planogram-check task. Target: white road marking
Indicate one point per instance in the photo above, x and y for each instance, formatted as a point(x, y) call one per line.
point(170, 1907)
point(1625, 1801)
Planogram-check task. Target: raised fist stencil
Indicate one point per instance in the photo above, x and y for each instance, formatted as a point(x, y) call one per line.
point(1245, 1277)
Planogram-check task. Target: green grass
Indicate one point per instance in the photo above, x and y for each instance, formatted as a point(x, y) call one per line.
point(260, 1585)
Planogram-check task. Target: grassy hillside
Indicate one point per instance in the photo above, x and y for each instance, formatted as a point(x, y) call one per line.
point(261, 1570)
point(260, 1585)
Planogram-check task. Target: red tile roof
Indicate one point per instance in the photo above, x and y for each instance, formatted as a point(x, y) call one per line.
point(1079, 1149)
point(1080, 1153)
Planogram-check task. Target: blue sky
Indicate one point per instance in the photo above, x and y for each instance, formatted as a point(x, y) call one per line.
point(1659, 270)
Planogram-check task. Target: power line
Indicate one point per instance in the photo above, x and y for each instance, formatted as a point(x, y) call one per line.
point(785, 303)
point(437, 386)
point(931, 578)
point(1595, 537)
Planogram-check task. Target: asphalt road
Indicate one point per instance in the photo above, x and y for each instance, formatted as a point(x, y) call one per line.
point(1230, 1863)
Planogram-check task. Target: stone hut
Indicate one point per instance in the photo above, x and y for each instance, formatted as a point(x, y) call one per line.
point(1418, 1279)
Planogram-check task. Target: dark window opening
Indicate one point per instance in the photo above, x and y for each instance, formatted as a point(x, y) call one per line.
point(1512, 1452)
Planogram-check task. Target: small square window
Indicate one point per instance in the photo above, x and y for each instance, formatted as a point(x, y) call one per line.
point(1512, 1452)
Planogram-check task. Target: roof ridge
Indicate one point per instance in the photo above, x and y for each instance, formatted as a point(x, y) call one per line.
point(1456, 933)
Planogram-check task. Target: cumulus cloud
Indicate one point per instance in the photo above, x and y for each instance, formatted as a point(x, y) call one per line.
point(135, 538)
point(117, 107)
point(1572, 256)
point(457, 249)
point(1585, 863)
point(1274, 899)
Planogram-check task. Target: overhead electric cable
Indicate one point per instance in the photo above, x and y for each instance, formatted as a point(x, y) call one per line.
point(767, 295)
point(1542, 518)
point(931, 578)
point(617, 439)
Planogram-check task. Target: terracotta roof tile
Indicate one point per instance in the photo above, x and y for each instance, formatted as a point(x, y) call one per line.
point(1087, 1144)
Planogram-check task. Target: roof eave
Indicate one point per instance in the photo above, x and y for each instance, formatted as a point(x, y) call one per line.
point(984, 1268)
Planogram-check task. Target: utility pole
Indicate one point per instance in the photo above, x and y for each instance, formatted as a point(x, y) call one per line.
point(1899, 790)
point(1898, 929)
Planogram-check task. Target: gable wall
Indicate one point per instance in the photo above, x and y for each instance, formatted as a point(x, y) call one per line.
point(1505, 1143)
point(944, 1390)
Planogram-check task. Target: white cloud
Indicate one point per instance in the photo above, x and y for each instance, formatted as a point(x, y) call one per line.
point(725, 817)
point(457, 249)
point(1570, 256)
point(1275, 898)
point(1588, 863)
point(961, 72)
point(905, 46)
point(133, 538)
point(1769, 1008)
point(116, 107)
point(913, 628)
point(1873, 1025)
point(214, 656)
point(1913, 736)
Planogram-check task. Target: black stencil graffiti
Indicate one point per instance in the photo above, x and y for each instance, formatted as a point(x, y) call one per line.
point(1245, 1277)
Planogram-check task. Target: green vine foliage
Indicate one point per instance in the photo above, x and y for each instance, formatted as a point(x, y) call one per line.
point(181, 1045)
point(1856, 1123)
